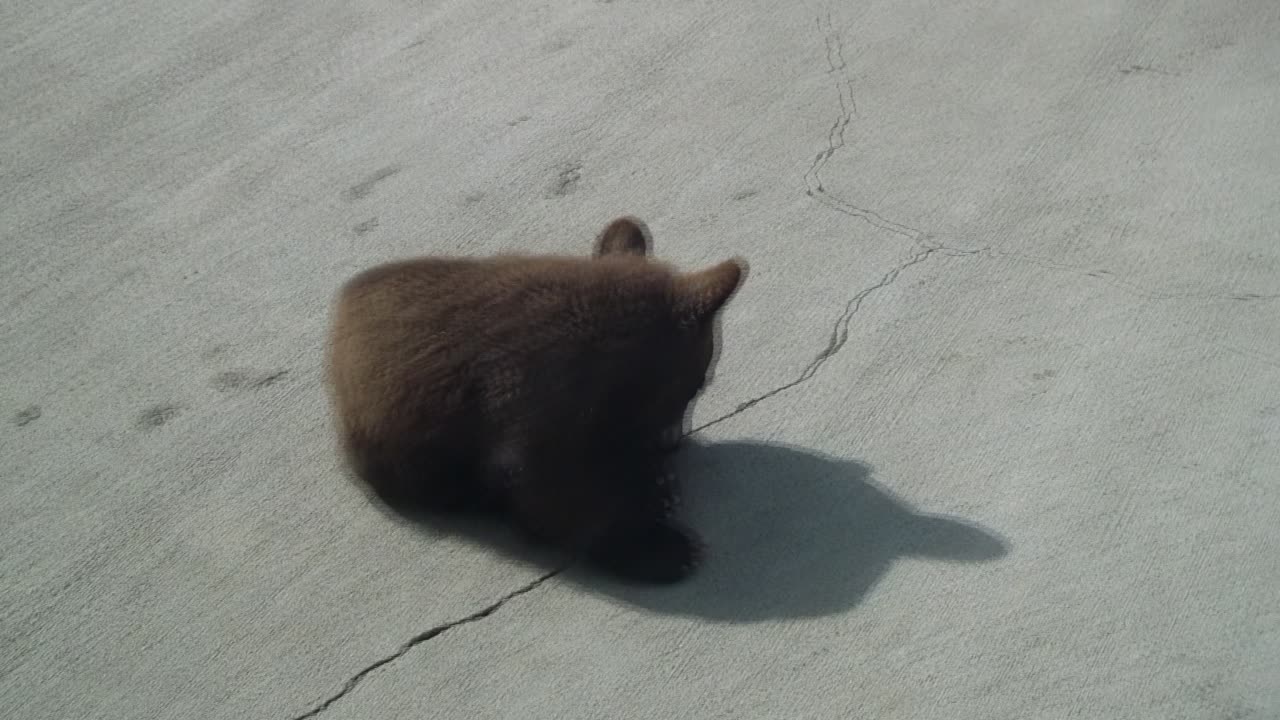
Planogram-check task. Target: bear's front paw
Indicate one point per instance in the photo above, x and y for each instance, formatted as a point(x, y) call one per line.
point(662, 553)
point(666, 494)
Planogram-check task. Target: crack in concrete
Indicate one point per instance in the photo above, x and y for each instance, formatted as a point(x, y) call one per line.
point(1126, 286)
point(838, 67)
point(354, 681)
point(839, 333)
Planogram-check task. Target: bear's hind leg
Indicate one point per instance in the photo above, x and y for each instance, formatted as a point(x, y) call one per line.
point(421, 479)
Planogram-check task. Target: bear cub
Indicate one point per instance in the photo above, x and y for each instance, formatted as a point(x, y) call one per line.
point(548, 389)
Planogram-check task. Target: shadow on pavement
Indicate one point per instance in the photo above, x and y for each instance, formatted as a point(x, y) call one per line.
point(792, 533)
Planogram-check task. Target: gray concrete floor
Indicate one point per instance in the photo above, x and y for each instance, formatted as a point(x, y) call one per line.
point(994, 433)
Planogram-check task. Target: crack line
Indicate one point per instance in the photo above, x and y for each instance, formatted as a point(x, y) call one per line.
point(839, 333)
point(838, 67)
point(1128, 287)
point(355, 680)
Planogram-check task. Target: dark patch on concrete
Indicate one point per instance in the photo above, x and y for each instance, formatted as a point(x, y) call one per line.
point(1145, 69)
point(745, 194)
point(216, 350)
point(269, 379)
point(231, 380)
point(157, 415)
point(472, 198)
point(556, 46)
point(566, 181)
point(519, 121)
point(1044, 374)
point(365, 227)
point(237, 380)
point(365, 187)
point(27, 415)
point(1219, 702)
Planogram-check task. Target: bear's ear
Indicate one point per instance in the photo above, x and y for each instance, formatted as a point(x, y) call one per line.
point(700, 295)
point(623, 236)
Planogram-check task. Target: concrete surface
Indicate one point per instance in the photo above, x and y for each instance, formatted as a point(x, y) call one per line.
point(994, 433)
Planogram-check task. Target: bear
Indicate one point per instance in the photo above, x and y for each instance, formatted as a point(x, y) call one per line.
point(548, 389)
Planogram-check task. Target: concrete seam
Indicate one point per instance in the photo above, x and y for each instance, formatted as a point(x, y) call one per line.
point(354, 681)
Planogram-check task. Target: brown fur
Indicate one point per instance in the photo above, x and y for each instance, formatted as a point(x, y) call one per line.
point(539, 386)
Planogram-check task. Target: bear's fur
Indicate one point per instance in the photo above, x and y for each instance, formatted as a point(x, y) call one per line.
point(547, 388)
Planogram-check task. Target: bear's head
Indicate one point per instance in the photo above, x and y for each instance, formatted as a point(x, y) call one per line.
point(672, 368)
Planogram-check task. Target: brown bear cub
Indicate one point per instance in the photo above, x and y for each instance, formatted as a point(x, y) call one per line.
point(546, 388)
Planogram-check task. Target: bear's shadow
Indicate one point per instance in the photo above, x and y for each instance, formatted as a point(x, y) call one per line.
point(790, 534)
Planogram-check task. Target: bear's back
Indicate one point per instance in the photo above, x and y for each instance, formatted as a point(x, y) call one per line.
point(421, 344)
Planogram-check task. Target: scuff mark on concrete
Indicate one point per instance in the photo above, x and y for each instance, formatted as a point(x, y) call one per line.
point(365, 226)
point(27, 415)
point(365, 187)
point(1136, 68)
point(566, 181)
